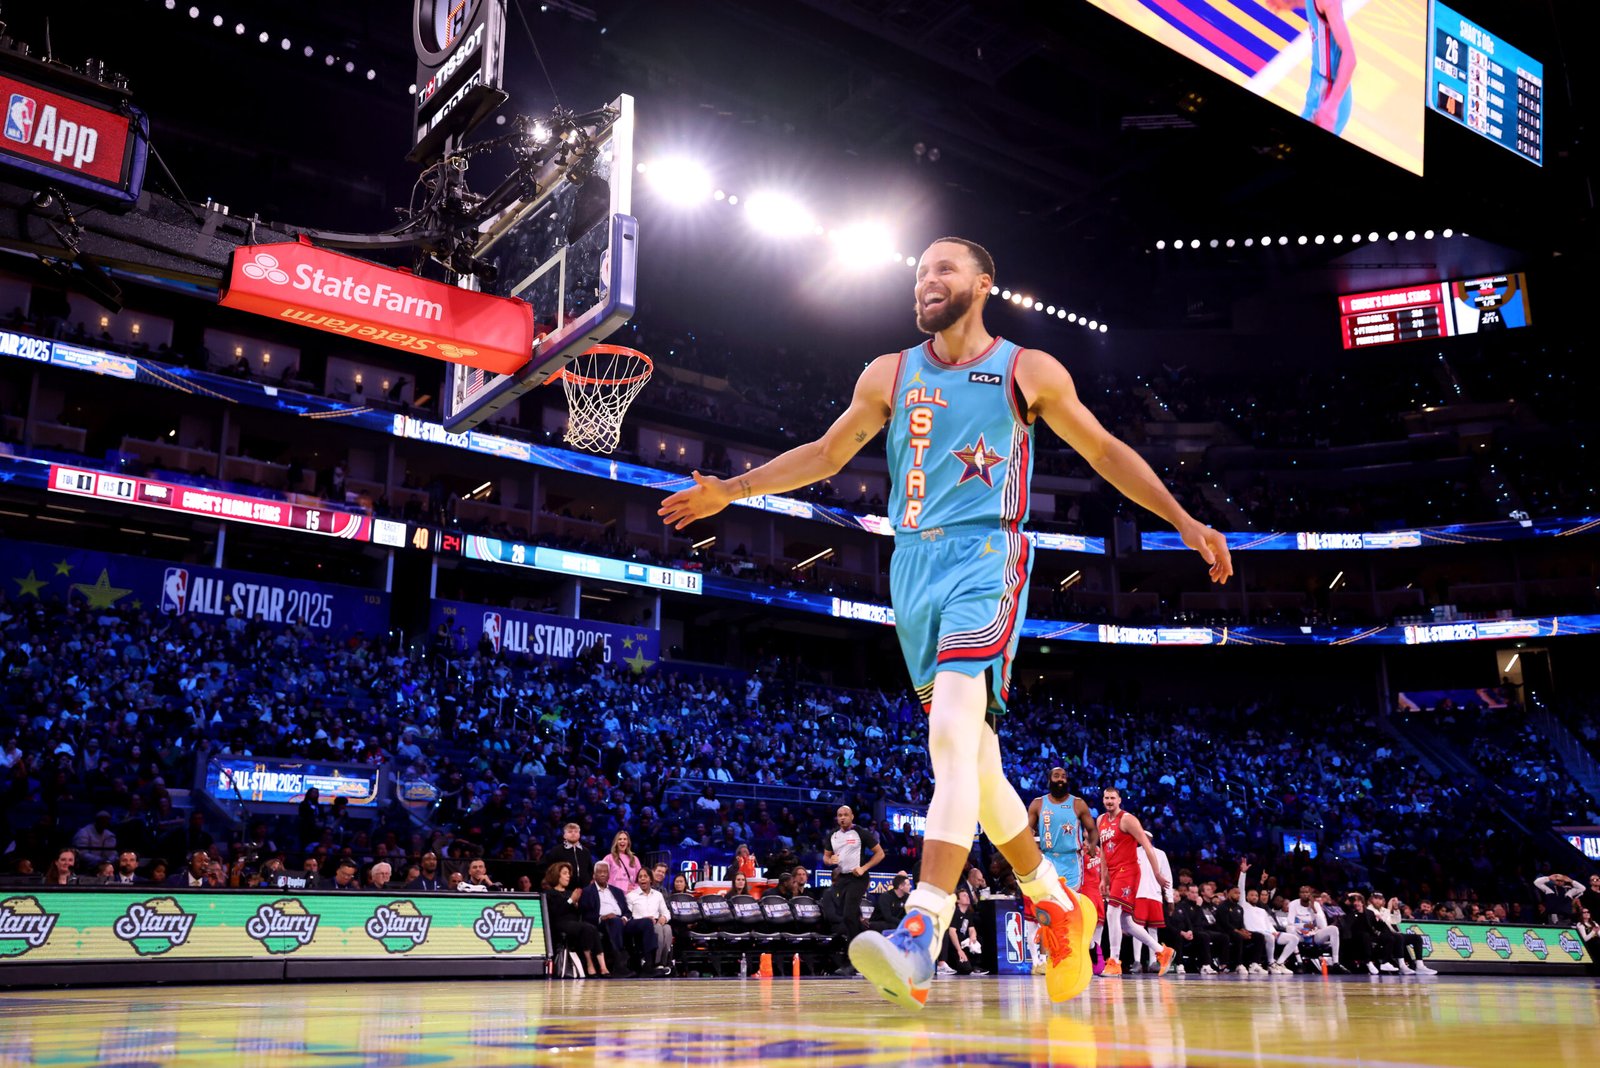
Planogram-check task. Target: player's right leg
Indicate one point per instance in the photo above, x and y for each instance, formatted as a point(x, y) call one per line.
point(900, 964)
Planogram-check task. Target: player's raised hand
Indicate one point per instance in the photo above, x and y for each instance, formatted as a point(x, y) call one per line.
point(708, 496)
point(1212, 547)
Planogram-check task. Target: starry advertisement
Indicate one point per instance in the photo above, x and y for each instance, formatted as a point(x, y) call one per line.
point(507, 630)
point(110, 581)
point(154, 923)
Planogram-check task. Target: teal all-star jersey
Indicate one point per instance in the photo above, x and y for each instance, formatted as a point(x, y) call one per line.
point(1058, 837)
point(960, 459)
point(960, 447)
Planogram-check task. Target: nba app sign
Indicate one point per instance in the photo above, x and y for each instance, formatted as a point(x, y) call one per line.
point(537, 635)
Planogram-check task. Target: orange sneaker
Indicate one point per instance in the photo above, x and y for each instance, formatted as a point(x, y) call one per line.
point(1165, 958)
point(1065, 923)
point(1113, 969)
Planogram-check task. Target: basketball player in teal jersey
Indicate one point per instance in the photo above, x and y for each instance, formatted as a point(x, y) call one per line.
point(961, 410)
point(1333, 62)
point(1057, 817)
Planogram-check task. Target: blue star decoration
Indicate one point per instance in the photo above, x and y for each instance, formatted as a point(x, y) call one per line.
point(979, 460)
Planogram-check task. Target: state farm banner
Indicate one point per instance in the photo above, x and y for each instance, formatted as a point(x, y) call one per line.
point(540, 636)
point(108, 580)
point(296, 282)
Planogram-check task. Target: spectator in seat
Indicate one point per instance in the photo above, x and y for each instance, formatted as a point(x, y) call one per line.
point(344, 876)
point(801, 884)
point(567, 922)
point(891, 904)
point(1406, 943)
point(1370, 939)
point(738, 884)
point(1309, 922)
point(745, 861)
point(1556, 896)
point(1196, 934)
point(962, 946)
point(428, 877)
point(477, 880)
point(680, 883)
point(1590, 898)
point(646, 903)
point(198, 873)
point(625, 867)
point(1247, 951)
point(60, 872)
point(1259, 921)
point(1589, 931)
point(606, 907)
point(572, 850)
point(658, 876)
point(378, 876)
point(127, 871)
point(95, 841)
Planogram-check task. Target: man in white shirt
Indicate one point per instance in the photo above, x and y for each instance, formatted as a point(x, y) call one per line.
point(1310, 924)
point(646, 903)
point(1388, 914)
point(1258, 920)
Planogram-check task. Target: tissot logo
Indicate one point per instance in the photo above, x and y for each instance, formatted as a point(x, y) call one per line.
point(984, 378)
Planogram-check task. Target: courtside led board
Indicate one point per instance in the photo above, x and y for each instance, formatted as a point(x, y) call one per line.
point(1485, 84)
point(1294, 53)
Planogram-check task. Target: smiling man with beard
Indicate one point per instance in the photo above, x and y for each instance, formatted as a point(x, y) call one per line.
point(961, 408)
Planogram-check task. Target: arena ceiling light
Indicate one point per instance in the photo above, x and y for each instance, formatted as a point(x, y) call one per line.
point(677, 180)
point(864, 244)
point(778, 214)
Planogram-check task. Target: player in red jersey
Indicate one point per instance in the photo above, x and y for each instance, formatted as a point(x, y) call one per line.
point(1120, 837)
point(1090, 889)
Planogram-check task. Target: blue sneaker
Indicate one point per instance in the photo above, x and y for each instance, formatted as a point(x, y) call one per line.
point(899, 965)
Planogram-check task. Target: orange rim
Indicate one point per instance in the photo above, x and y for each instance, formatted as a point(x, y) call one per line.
point(606, 350)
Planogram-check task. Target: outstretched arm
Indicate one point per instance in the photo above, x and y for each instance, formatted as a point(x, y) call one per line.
point(801, 466)
point(1053, 398)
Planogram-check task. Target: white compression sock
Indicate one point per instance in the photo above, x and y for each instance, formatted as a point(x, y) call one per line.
point(1114, 925)
point(954, 724)
point(1141, 934)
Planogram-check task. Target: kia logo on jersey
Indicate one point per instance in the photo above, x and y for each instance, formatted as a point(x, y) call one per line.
point(984, 378)
point(19, 118)
point(491, 628)
point(174, 591)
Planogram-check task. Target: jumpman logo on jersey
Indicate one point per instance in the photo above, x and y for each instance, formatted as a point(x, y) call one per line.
point(916, 379)
point(987, 549)
point(979, 460)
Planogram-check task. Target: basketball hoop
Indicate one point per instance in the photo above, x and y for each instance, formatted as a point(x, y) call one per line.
point(601, 382)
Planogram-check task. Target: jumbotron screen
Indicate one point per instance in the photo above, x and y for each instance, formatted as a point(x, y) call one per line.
point(1485, 84)
point(1295, 53)
point(1434, 309)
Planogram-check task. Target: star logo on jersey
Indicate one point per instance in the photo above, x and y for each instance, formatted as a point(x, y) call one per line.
point(980, 460)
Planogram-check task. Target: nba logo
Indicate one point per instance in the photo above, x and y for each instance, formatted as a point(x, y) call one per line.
point(491, 629)
point(19, 118)
point(174, 591)
point(1016, 953)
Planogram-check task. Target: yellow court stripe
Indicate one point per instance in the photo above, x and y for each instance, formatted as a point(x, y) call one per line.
point(1245, 21)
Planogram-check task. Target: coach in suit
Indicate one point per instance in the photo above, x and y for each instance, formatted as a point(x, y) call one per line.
point(607, 908)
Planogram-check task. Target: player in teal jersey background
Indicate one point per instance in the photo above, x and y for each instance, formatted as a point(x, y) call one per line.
point(961, 410)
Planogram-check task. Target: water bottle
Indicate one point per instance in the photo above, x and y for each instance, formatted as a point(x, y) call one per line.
point(744, 966)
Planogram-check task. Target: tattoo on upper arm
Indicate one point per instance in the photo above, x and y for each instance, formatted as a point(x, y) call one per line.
point(744, 488)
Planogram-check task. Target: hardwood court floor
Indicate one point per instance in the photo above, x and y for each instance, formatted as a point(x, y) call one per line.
point(786, 1022)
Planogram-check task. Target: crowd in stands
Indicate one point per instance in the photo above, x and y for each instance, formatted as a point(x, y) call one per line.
point(111, 713)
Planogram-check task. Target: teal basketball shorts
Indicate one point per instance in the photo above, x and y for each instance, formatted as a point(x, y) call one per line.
point(959, 597)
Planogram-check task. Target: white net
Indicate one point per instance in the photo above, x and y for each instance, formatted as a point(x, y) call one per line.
point(600, 384)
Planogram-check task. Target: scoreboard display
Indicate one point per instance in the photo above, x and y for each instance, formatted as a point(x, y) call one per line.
point(1391, 315)
point(1485, 84)
point(1435, 309)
